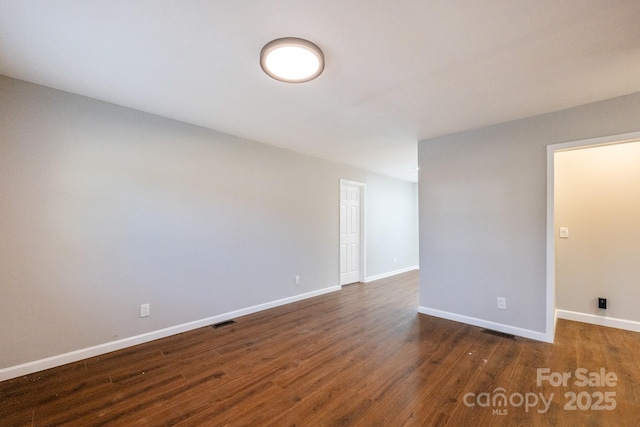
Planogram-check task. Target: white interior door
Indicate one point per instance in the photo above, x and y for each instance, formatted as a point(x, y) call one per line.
point(350, 250)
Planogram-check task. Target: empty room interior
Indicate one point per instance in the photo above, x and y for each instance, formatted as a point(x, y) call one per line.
point(434, 220)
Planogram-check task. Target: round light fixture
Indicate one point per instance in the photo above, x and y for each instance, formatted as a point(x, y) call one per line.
point(292, 60)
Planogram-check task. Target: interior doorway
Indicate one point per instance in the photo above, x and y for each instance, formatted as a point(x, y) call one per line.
point(553, 228)
point(352, 243)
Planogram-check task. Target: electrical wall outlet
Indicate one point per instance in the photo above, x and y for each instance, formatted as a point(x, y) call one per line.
point(502, 303)
point(602, 303)
point(296, 280)
point(145, 310)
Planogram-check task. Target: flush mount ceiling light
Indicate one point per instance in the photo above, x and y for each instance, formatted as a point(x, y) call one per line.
point(292, 60)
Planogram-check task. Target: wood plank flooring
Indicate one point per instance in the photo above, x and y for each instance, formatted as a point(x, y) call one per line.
point(362, 356)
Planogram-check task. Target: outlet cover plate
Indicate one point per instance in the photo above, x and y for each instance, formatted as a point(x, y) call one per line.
point(145, 310)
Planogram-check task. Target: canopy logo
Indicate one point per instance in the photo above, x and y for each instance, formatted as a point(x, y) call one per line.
point(500, 401)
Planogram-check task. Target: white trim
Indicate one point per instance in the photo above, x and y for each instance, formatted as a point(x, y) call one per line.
point(552, 315)
point(550, 319)
point(348, 182)
point(612, 322)
point(390, 273)
point(526, 333)
point(363, 226)
point(597, 142)
point(76, 355)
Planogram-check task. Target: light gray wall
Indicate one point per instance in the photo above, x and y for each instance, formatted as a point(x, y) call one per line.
point(483, 211)
point(104, 208)
point(597, 196)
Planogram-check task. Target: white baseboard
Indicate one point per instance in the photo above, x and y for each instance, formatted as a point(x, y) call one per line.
point(611, 322)
point(513, 330)
point(74, 356)
point(390, 273)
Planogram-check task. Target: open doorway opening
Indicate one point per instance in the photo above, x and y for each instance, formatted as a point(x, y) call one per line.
point(593, 229)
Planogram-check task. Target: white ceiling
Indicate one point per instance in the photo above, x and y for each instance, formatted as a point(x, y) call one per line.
point(397, 71)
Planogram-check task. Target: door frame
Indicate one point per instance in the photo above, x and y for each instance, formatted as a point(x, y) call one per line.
point(552, 315)
point(363, 227)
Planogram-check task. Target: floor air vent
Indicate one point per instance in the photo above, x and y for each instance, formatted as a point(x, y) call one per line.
point(221, 324)
point(498, 334)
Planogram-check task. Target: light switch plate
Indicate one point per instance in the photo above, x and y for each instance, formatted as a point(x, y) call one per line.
point(564, 232)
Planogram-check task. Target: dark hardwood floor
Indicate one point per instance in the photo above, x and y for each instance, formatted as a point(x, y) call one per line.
point(358, 357)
